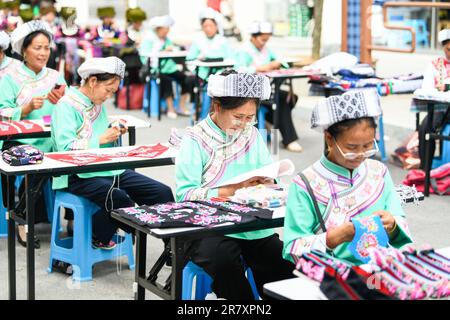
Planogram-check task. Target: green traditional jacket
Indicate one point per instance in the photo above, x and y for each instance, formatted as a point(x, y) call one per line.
point(341, 196)
point(207, 158)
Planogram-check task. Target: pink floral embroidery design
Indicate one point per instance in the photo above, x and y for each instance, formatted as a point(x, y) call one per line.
point(367, 241)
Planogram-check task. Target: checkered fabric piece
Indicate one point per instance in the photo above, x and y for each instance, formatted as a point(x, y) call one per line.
point(353, 28)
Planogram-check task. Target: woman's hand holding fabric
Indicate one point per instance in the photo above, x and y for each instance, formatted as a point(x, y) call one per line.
point(343, 233)
point(387, 219)
point(228, 191)
point(110, 135)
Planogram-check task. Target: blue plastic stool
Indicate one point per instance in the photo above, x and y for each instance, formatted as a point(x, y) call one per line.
point(262, 110)
point(445, 155)
point(78, 250)
point(176, 97)
point(381, 144)
point(203, 282)
point(206, 105)
point(154, 98)
point(145, 100)
point(3, 221)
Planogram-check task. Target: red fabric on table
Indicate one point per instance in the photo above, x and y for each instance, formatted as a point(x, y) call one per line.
point(88, 158)
point(78, 159)
point(148, 151)
point(15, 127)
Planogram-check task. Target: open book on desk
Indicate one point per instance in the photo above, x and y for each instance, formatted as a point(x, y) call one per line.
point(274, 170)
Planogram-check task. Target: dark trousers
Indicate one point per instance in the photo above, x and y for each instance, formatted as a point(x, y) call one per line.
point(186, 82)
point(438, 122)
point(221, 257)
point(286, 124)
point(130, 187)
point(40, 208)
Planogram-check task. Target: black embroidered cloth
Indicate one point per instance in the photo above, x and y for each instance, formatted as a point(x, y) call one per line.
point(206, 213)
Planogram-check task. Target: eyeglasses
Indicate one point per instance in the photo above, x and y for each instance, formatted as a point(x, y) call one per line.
point(238, 122)
point(353, 155)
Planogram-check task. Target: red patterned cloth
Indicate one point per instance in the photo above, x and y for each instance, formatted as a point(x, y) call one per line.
point(80, 159)
point(148, 151)
point(15, 127)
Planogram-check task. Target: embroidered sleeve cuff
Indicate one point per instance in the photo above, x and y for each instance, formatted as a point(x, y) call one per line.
point(306, 244)
point(197, 194)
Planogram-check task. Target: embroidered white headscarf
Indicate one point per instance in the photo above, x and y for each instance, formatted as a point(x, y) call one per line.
point(162, 21)
point(210, 13)
point(444, 35)
point(245, 85)
point(353, 104)
point(260, 27)
point(21, 32)
point(92, 66)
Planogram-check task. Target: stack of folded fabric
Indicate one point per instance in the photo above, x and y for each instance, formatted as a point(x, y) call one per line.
point(406, 83)
point(345, 76)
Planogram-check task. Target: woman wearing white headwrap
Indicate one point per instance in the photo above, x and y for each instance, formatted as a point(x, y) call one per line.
point(80, 122)
point(345, 182)
point(211, 44)
point(436, 78)
point(221, 147)
point(255, 56)
point(6, 63)
point(30, 90)
point(168, 68)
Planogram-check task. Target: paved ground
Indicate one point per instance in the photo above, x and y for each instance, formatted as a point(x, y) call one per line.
point(429, 222)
